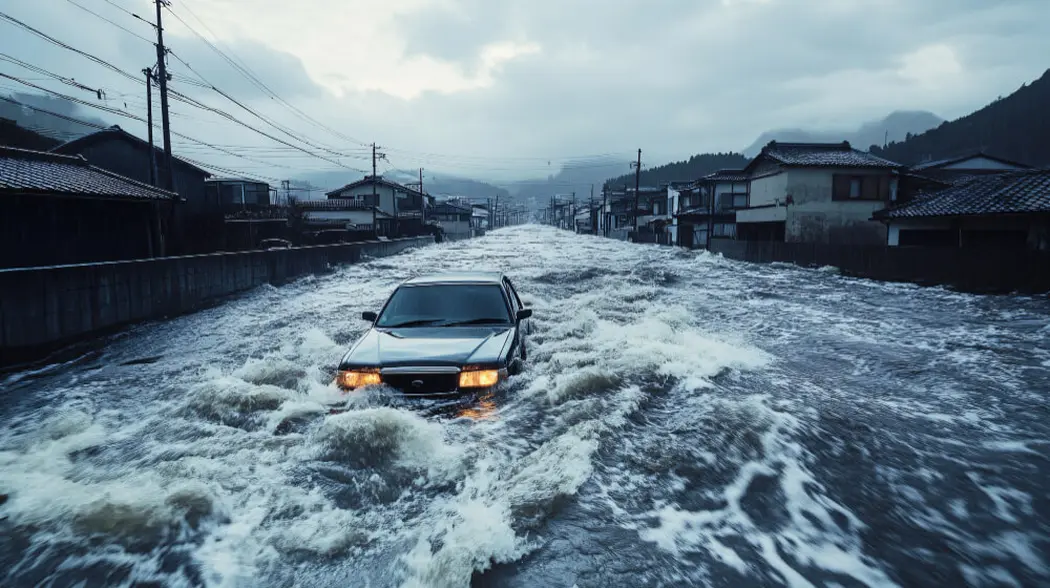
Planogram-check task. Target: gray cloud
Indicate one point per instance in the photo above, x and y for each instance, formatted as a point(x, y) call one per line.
point(674, 77)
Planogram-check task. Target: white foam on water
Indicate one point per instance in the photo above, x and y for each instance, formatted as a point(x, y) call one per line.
point(389, 434)
point(820, 532)
point(384, 496)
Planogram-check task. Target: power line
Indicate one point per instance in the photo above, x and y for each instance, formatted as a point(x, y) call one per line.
point(126, 114)
point(54, 41)
point(228, 116)
point(103, 127)
point(124, 10)
point(121, 27)
point(254, 79)
point(116, 69)
point(40, 70)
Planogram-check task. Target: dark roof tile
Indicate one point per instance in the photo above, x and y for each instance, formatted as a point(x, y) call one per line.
point(49, 173)
point(823, 155)
point(926, 165)
point(1008, 193)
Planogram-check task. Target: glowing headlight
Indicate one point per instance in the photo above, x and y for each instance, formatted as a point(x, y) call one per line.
point(351, 379)
point(479, 378)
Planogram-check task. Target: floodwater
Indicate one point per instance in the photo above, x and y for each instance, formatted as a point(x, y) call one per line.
point(684, 420)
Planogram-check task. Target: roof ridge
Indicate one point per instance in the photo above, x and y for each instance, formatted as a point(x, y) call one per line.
point(17, 152)
point(106, 172)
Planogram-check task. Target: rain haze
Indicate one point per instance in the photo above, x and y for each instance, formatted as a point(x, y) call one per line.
point(524, 293)
point(500, 89)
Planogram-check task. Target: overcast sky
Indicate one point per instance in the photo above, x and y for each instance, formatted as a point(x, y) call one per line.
point(501, 87)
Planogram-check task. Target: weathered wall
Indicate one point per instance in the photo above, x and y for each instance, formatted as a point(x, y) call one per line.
point(47, 307)
point(973, 270)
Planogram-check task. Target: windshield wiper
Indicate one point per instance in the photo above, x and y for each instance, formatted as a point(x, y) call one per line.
point(477, 321)
point(415, 323)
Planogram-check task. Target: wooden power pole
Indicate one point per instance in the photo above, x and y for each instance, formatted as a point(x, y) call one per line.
point(168, 180)
point(637, 180)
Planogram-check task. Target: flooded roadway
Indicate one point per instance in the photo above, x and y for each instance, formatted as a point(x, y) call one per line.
point(684, 420)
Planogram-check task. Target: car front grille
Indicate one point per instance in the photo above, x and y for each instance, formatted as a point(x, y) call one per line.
point(422, 383)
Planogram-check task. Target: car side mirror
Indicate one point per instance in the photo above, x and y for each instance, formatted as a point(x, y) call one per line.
point(369, 316)
point(524, 314)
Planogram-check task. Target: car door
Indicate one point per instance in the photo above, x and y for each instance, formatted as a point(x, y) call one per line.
point(526, 325)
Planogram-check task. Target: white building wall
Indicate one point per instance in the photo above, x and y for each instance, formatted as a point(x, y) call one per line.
point(385, 193)
point(357, 217)
point(769, 189)
point(815, 218)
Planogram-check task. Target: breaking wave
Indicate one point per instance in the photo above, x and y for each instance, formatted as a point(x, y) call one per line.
point(682, 419)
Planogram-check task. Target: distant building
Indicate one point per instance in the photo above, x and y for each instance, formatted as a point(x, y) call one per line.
point(120, 152)
point(966, 166)
point(406, 207)
point(59, 209)
point(816, 193)
point(234, 194)
point(356, 217)
point(717, 197)
point(1007, 210)
point(456, 221)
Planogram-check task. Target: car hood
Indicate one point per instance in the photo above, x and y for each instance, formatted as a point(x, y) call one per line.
point(430, 346)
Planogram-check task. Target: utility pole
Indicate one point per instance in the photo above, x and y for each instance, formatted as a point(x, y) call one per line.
point(168, 182)
point(590, 213)
point(637, 180)
point(423, 202)
point(496, 209)
point(605, 211)
point(375, 197)
point(711, 214)
point(149, 126)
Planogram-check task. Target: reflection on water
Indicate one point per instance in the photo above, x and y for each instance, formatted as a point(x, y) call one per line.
point(482, 409)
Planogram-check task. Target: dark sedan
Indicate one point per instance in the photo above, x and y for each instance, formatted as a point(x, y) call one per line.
point(441, 334)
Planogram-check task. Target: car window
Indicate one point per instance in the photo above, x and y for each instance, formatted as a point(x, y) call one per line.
point(514, 292)
point(445, 303)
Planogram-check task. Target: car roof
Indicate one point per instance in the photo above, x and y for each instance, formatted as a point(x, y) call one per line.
point(457, 278)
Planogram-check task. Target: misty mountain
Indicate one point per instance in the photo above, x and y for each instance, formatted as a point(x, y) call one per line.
point(897, 126)
point(53, 127)
point(578, 176)
point(1015, 127)
point(682, 171)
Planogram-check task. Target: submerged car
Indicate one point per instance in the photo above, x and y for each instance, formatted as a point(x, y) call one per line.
point(442, 334)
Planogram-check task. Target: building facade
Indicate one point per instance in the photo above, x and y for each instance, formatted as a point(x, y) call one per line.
point(816, 193)
point(58, 209)
point(1006, 210)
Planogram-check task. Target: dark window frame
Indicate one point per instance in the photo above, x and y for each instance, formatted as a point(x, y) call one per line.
point(872, 188)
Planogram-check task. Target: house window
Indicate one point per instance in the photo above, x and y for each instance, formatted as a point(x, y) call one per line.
point(739, 200)
point(867, 187)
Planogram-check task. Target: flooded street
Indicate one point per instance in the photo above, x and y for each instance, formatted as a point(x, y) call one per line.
point(683, 420)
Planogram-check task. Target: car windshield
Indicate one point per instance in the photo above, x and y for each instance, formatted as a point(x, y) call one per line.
point(445, 304)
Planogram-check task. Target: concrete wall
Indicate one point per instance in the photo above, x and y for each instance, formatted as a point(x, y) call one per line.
point(984, 270)
point(44, 308)
point(769, 189)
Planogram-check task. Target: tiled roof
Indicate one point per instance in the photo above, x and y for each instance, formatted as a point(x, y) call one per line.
point(1007, 193)
point(49, 173)
point(447, 208)
point(951, 160)
point(368, 181)
point(726, 175)
point(822, 155)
